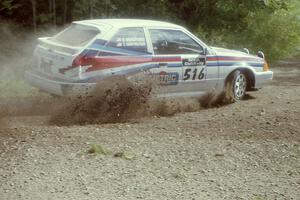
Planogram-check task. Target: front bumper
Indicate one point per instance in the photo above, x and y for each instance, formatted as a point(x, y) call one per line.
point(262, 78)
point(61, 88)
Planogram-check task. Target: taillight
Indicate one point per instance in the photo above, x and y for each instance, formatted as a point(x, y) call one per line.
point(77, 61)
point(85, 58)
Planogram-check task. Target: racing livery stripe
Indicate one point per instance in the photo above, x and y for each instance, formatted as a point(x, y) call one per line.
point(94, 76)
point(106, 62)
point(224, 64)
point(232, 58)
point(99, 63)
point(167, 59)
point(215, 61)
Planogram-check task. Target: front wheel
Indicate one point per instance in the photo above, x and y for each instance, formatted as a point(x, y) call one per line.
point(236, 86)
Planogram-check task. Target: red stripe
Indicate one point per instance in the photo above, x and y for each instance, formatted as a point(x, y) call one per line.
point(166, 59)
point(212, 59)
point(100, 63)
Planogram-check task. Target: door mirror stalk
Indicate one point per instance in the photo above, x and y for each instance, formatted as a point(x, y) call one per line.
point(204, 52)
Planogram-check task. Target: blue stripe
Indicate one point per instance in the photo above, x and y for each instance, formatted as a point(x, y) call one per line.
point(174, 65)
point(256, 64)
point(117, 50)
point(233, 63)
point(212, 64)
point(216, 64)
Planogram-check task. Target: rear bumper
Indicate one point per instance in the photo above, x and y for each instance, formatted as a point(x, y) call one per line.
point(61, 88)
point(263, 78)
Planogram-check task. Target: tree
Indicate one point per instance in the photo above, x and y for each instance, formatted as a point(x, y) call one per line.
point(33, 3)
point(8, 6)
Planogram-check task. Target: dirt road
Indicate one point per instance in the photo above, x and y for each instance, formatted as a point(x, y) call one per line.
point(245, 150)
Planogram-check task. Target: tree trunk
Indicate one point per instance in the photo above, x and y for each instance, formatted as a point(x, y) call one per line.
point(33, 3)
point(50, 11)
point(65, 11)
point(54, 12)
point(91, 9)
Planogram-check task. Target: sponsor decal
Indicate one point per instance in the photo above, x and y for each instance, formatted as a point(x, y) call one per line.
point(148, 72)
point(170, 78)
point(190, 62)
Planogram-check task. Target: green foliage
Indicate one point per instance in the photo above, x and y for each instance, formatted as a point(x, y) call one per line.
point(44, 18)
point(269, 25)
point(272, 34)
point(97, 150)
point(117, 8)
point(7, 6)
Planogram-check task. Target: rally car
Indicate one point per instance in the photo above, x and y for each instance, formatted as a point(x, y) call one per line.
point(74, 60)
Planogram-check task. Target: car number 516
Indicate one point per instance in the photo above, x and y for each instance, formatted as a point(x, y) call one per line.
point(192, 74)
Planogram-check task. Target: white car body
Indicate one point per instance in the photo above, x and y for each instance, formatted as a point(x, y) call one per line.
point(65, 69)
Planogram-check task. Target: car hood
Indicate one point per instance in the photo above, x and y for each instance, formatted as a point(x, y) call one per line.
point(234, 53)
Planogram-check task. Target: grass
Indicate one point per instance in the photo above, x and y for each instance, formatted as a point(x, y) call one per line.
point(97, 150)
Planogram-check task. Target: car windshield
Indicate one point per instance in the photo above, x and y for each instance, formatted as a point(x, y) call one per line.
point(76, 35)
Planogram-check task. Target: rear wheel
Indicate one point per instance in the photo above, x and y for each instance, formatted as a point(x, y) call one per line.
point(236, 86)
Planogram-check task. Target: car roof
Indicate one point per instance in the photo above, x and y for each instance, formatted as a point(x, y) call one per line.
point(123, 23)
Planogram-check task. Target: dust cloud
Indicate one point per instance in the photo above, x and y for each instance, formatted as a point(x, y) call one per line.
point(118, 100)
point(113, 100)
point(17, 98)
point(16, 49)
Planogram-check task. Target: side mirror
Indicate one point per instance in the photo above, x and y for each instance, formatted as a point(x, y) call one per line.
point(205, 51)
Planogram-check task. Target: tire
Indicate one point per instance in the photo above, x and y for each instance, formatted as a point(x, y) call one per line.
point(236, 86)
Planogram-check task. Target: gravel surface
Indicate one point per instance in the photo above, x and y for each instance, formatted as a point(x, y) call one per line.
point(246, 150)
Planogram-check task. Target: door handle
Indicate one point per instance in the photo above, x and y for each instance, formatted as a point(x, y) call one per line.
point(162, 64)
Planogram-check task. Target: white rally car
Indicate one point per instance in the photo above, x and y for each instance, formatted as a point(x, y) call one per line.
point(88, 51)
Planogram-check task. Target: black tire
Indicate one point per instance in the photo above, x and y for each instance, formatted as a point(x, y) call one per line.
point(236, 86)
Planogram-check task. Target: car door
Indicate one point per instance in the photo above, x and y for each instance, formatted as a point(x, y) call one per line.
point(181, 61)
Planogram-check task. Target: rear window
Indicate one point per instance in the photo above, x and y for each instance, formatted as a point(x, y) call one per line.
point(132, 39)
point(76, 35)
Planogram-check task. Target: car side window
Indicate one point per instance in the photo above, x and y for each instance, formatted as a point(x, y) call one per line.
point(165, 41)
point(129, 39)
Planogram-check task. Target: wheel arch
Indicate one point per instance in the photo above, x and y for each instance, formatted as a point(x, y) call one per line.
point(249, 73)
